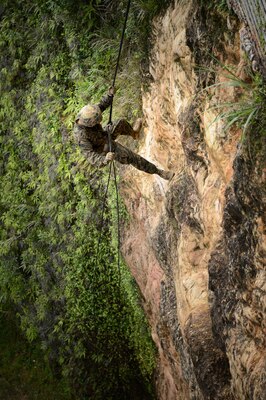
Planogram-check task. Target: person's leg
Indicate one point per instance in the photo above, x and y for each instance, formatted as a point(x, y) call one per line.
point(123, 127)
point(126, 156)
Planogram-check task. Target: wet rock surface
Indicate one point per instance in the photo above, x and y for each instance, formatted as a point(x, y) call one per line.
point(195, 245)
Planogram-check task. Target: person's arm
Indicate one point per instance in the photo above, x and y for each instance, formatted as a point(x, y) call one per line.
point(106, 100)
point(95, 159)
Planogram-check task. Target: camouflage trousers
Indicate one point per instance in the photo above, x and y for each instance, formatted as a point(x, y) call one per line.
point(125, 155)
point(121, 128)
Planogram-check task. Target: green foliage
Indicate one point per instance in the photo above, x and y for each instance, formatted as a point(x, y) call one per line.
point(54, 56)
point(220, 6)
point(248, 111)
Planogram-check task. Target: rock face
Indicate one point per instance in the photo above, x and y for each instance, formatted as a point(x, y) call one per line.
point(195, 245)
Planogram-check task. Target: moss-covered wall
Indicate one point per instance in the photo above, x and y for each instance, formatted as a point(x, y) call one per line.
point(55, 56)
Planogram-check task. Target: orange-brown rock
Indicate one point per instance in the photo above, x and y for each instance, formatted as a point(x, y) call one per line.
point(195, 245)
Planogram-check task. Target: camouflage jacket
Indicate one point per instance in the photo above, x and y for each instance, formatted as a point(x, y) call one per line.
point(93, 141)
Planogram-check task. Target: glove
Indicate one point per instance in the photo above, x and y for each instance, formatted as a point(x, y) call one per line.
point(109, 157)
point(111, 91)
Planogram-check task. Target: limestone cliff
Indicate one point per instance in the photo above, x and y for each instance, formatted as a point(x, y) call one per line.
point(195, 245)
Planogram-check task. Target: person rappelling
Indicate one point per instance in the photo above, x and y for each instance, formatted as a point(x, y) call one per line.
point(99, 151)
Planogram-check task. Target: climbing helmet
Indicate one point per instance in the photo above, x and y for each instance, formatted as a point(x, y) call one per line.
point(90, 115)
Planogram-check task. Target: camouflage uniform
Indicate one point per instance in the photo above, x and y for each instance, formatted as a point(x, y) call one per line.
point(93, 142)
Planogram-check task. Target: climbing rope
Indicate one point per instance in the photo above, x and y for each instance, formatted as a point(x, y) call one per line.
point(102, 214)
point(112, 164)
point(118, 57)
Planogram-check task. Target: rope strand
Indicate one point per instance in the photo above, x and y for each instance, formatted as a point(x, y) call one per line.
point(112, 164)
point(110, 143)
point(102, 215)
point(118, 58)
point(110, 149)
point(118, 225)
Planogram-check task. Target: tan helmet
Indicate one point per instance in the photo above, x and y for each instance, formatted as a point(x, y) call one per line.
point(90, 115)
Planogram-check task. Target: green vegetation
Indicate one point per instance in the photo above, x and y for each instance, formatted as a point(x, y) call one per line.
point(248, 109)
point(54, 57)
point(219, 6)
